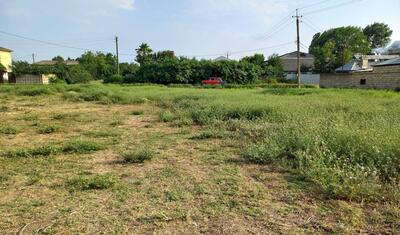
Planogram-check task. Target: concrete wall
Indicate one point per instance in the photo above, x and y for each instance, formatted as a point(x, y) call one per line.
point(306, 78)
point(34, 79)
point(6, 60)
point(382, 77)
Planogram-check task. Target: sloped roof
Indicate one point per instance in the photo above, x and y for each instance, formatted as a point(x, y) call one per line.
point(349, 67)
point(5, 49)
point(52, 62)
point(395, 61)
point(294, 55)
point(221, 58)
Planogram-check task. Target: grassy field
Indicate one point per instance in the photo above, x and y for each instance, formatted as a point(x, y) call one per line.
point(154, 159)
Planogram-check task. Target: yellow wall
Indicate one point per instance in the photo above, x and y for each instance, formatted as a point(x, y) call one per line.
point(5, 59)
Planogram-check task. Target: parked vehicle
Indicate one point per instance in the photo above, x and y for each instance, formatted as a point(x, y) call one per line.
point(213, 81)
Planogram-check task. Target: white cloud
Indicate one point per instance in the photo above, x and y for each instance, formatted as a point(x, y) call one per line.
point(123, 4)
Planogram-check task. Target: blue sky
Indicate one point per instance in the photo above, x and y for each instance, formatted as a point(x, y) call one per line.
point(203, 28)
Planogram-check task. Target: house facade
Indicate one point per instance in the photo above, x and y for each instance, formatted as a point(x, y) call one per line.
point(6, 61)
point(289, 62)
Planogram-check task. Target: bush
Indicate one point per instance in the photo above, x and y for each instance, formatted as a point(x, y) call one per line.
point(77, 74)
point(57, 80)
point(114, 79)
point(34, 91)
point(96, 182)
point(166, 116)
point(81, 146)
point(138, 156)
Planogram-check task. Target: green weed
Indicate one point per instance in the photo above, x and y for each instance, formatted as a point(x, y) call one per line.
point(9, 130)
point(138, 156)
point(95, 182)
point(81, 147)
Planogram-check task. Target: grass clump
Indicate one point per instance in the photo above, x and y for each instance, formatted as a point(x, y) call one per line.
point(8, 130)
point(81, 147)
point(96, 182)
point(43, 151)
point(48, 129)
point(137, 112)
point(166, 116)
point(138, 156)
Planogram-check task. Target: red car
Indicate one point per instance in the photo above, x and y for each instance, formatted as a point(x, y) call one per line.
point(213, 81)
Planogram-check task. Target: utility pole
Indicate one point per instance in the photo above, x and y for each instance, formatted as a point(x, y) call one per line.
point(117, 52)
point(297, 16)
point(33, 58)
point(227, 55)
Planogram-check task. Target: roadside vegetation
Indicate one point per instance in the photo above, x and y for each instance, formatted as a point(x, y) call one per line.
point(215, 160)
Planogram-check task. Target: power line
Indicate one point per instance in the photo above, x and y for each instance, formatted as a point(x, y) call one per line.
point(242, 51)
point(52, 43)
point(312, 24)
point(313, 4)
point(332, 7)
point(311, 27)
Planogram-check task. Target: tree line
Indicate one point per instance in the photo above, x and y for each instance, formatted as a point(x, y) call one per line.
point(331, 49)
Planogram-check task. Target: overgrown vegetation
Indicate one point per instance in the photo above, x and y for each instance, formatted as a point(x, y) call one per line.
point(271, 159)
point(138, 156)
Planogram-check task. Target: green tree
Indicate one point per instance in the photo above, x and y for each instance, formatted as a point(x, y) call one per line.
point(378, 34)
point(337, 46)
point(77, 74)
point(257, 59)
point(162, 55)
point(274, 66)
point(99, 65)
point(58, 59)
point(144, 54)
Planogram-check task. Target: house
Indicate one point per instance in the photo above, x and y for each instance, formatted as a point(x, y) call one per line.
point(382, 75)
point(363, 63)
point(289, 62)
point(6, 61)
point(54, 62)
point(221, 58)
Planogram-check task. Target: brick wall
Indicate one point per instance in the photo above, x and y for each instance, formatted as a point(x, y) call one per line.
point(382, 77)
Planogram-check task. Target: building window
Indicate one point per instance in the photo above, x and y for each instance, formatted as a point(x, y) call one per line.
point(363, 81)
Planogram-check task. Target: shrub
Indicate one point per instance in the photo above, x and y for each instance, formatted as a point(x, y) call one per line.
point(96, 182)
point(77, 74)
point(166, 116)
point(138, 156)
point(81, 146)
point(48, 129)
point(9, 130)
point(57, 80)
point(34, 91)
point(114, 79)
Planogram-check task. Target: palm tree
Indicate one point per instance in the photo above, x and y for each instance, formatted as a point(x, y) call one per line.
point(143, 53)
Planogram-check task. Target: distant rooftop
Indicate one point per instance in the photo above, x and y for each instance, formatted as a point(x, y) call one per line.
point(52, 62)
point(294, 55)
point(221, 58)
point(5, 49)
point(391, 62)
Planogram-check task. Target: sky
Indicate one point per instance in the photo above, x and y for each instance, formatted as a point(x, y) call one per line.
point(193, 28)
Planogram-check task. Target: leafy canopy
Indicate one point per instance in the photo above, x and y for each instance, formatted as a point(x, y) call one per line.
point(378, 34)
point(337, 46)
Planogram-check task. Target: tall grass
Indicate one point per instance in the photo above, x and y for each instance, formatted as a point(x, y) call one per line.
point(345, 141)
